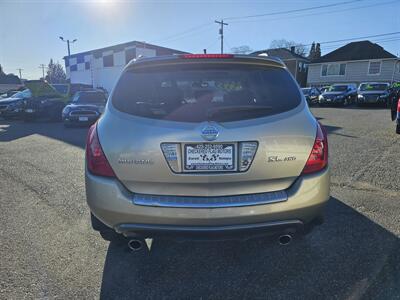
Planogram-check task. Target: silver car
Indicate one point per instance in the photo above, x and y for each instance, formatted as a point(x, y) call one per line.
point(214, 145)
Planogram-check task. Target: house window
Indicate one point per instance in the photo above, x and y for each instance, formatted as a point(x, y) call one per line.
point(333, 70)
point(80, 59)
point(87, 65)
point(374, 68)
point(108, 60)
point(73, 68)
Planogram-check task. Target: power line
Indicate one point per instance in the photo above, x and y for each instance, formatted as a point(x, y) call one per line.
point(317, 13)
point(183, 33)
point(357, 38)
point(293, 10)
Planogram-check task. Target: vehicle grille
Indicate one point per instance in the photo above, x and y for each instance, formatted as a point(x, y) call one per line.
point(371, 97)
point(2, 107)
point(83, 113)
point(209, 202)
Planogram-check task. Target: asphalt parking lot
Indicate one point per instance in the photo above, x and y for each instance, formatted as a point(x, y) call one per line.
point(48, 249)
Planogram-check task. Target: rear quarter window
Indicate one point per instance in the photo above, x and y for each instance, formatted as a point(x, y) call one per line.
point(197, 93)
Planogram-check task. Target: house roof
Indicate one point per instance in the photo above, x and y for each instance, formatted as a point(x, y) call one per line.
point(120, 47)
point(362, 50)
point(9, 79)
point(282, 53)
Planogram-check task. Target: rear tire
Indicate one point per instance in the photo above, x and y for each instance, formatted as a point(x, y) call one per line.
point(398, 128)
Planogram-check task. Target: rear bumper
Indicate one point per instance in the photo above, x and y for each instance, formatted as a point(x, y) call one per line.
point(113, 204)
point(75, 119)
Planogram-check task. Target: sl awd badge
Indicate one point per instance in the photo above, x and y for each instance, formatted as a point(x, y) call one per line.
point(209, 133)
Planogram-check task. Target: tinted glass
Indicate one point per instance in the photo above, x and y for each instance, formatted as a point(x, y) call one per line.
point(61, 88)
point(338, 88)
point(197, 94)
point(373, 87)
point(92, 97)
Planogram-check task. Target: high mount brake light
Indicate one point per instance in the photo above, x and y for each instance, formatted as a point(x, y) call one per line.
point(318, 158)
point(206, 56)
point(96, 160)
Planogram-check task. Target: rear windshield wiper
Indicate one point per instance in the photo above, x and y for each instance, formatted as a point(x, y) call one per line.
point(236, 108)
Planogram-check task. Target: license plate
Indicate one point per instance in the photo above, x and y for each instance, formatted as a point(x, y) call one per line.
point(83, 119)
point(29, 110)
point(209, 157)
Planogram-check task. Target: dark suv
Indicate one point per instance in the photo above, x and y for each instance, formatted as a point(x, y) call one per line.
point(338, 94)
point(85, 107)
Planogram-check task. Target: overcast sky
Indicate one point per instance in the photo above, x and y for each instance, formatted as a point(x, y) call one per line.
point(29, 30)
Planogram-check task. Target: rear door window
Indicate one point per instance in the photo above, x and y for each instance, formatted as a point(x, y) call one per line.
point(206, 93)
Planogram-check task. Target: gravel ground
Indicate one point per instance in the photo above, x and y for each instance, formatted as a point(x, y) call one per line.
point(48, 249)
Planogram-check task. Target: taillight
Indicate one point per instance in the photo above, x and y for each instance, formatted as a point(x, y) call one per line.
point(318, 158)
point(398, 106)
point(96, 161)
point(206, 56)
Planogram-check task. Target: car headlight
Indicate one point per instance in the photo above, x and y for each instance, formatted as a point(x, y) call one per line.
point(66, 110)
point(320, 97)
point(360, 96)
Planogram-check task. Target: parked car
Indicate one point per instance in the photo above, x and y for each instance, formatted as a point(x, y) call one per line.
point(45, 103)
point(324, 88)
point(338, 94)
point(394, 104)
point(219, 145)
point(8, 94)
point(13, 106)
point(373, 92)
point(85, 108)
point(311, 94)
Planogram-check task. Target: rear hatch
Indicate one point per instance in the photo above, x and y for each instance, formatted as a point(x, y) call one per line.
point(216, 128)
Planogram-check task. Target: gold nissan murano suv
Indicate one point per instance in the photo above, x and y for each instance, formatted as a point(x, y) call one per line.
point(206, 145)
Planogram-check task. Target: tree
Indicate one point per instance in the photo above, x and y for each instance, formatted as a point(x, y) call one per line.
point(300, 49)
point(311, 54)
point(55, 73)
point(244, 49)
point(318, 50)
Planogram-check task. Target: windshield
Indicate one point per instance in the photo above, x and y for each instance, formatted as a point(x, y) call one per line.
point(337, 88)
point(61, 88)
point(22, 94)
point(190, 93)
point(373, 86)
point(90, 97)
point(306, 91)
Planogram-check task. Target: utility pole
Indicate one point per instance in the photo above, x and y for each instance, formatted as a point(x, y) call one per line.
point(42, 66)
point(20, 72)
point(68, 42)
point(221, 33)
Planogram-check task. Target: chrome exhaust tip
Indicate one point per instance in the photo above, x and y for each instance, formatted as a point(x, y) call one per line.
point(135, 245)
point(284, 239)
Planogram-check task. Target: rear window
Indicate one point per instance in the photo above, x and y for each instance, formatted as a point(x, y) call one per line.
point(91, 97)
point(194, 93)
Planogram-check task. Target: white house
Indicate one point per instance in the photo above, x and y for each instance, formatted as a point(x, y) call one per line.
point(354, 63)
point(101, 67)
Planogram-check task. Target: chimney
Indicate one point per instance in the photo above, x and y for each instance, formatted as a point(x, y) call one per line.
point(292, 49)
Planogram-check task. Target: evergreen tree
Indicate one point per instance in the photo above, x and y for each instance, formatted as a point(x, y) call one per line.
point(55, 73)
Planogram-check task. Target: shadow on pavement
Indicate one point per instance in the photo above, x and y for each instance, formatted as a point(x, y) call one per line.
point(13, 130)
point(348, 257)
